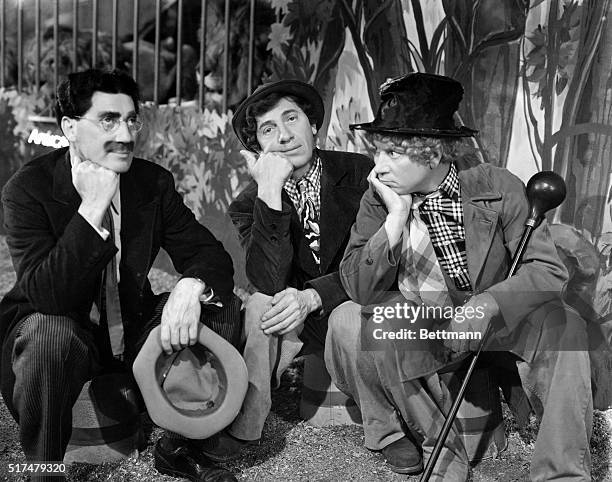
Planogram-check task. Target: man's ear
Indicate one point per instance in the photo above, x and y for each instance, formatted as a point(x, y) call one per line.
point(436, 159)
point(68, 126)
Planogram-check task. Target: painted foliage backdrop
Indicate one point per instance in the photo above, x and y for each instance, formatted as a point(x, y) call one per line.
point(538, 85)
point(537, 77)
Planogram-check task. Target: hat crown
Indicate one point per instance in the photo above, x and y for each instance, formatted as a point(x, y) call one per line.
point(419, 101)
point(193, 379)
point(419, 104)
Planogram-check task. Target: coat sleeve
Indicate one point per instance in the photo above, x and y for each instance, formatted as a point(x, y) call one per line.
point(56, 274)
point(265, 236)
point(194, 250)
point(330, 290)
point(369, 267)
point(541, 276)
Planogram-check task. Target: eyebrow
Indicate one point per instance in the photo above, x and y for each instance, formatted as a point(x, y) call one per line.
point(390, 146)
point(115, 114)
point(383, 145)
point(271, 122)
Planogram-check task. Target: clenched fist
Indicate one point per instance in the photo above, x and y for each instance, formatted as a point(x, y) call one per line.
point(269, 168)
point(270, 171)
point(96, 185)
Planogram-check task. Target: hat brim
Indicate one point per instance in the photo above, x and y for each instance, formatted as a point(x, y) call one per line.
point(461, 131)
point(166, 415)
point(288, 87)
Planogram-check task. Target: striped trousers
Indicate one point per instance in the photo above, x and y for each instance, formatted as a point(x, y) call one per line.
point(52, 357)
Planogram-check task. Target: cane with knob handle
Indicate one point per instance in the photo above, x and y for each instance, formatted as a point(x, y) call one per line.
point(545, 191)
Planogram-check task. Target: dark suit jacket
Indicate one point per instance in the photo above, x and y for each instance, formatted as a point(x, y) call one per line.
point(59, 257)
point(277, 254)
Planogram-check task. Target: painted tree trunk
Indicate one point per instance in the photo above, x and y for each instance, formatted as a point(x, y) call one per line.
point(585, 159)
point(384, 37)
point(483, 53)
point(379, 36)
point(333, 38)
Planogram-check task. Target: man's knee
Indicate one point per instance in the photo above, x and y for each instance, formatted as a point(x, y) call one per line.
point(227, 322)
point(50, 340)
point(562, 327)
point(255, 307)
point(562, 356)
point(344, 324)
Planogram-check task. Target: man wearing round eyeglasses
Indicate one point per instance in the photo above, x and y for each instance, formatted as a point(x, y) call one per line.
point(84, 225)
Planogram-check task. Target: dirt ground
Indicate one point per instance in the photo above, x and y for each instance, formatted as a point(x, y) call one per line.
point(292, 449)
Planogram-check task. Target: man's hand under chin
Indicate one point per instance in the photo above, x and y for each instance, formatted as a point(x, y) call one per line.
point(96, 186)
point(270, 171)
point(181, 315)
point(290, 308)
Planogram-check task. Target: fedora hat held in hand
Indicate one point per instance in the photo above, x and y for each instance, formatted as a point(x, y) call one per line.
point(195, 392)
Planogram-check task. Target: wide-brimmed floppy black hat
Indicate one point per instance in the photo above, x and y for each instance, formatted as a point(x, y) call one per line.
point(197, 391)
point(286, 87)
point(418, 104)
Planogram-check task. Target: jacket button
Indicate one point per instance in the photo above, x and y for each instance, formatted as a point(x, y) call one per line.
point(273, 226)
point(369, 261)
point(274, 238)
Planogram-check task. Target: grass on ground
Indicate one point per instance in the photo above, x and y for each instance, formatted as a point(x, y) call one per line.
point(292, 449)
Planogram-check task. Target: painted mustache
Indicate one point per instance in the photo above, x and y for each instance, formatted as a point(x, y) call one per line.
point(119, 147)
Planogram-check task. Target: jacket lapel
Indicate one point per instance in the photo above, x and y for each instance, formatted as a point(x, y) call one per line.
point(339, 205)
point(63, 189)
point(480, 221)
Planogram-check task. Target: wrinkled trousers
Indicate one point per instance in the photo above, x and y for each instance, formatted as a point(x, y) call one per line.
point(555, 384)
point(266, 358)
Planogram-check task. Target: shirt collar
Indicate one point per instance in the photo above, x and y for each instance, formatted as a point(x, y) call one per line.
point(312, 177)
point(449, 187)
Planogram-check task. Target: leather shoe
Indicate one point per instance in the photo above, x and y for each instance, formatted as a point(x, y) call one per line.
point(223, 447)
point(403, 457)
point(182, 458)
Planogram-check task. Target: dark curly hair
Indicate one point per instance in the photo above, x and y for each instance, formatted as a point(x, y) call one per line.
point(74, 94)
point(262, 106)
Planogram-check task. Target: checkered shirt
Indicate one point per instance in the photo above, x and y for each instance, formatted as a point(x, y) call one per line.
point(305, 194)
point(442, 213)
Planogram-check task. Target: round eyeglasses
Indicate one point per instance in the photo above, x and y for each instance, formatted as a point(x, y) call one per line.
point(111, 124)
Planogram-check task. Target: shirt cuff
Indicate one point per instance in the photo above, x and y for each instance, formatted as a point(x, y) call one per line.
point(104, 233)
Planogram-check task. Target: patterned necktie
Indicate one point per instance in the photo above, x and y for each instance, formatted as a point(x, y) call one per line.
point(308, 214)
point(420, 277)
point(109, 296)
